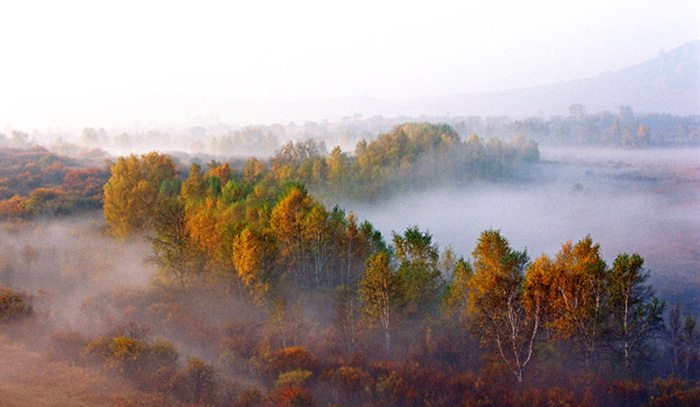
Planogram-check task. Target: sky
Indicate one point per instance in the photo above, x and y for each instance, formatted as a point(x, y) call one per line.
point(92, 63)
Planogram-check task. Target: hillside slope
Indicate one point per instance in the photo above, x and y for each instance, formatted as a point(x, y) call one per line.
point(669, 83)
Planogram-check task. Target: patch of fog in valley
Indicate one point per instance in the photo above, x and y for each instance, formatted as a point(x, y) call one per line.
point(61, 263)
point(643, 201)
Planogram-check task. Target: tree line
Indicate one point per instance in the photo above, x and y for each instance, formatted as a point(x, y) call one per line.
point(411, 156)
point(271, 298)
point(268, 242)
point(35, 182)
point(623, 128)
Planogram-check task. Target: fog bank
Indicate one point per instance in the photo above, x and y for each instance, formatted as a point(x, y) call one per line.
point(644, 201)
point(61, 263)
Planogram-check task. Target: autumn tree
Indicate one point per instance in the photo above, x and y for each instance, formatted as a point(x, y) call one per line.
point(577, 303)
point(418, 269)
point(352, 244)
point(337, 163)
point(381, 294)
point(158, 168)
point(456, 297)
point(197, 382)
point(496, 297)
point(254, 255)
point(195, 186)
point(14, 305)
point(285, 320)
point(132, 191)
point(287, 222)
point(128, 197)
point(174, 251)
point(643, 135)
point(347, 312)
point(318, 237)
point(352, 248)
point(204, 226)
point(527, 149)
point(636, 314)
point(222, 172)
point(254, 171)
point(680, 337)
point(690, 342)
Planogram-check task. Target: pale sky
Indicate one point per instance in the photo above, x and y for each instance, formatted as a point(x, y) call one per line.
point(93, 63)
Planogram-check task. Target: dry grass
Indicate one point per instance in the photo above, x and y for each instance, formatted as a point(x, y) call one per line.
point(29, 379)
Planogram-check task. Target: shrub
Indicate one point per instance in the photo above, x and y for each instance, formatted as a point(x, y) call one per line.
point(627, 393)
point(295, 378)
point(197, 382)
point(136, 358)
point(250, 398)
point(14, 305)
point(292, 358)
point(349, 385)
point(350, 379)
point(293, 397)
point(674, 391)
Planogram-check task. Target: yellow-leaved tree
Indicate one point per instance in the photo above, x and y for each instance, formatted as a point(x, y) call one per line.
point(381, 293)
point(132, 191)
point(287, 222)
point(253, 256)
point(576, 305)
point(504, 315)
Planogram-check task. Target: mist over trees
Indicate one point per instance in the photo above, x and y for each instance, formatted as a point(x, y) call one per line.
point(36, 181)
point(280, 249)
point(263, 295)
point(411, 156)
point(624, 127)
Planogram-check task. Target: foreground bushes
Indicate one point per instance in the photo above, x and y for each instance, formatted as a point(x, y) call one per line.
point(14, 305)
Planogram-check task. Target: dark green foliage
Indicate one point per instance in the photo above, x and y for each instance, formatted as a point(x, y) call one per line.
point(636, 314)
point(174, 251)
point(418, 270)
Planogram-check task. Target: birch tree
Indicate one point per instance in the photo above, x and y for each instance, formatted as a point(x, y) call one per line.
point(636, 312)
point(500, 314)
point(578, 302)
point(380, 290)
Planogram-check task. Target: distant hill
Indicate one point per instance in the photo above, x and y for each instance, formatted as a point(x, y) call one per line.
point(669, 83)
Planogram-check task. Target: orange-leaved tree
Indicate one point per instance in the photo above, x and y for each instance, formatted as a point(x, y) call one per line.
point(500, 314)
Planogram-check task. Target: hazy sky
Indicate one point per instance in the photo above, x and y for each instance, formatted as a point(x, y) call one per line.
point(105, 63)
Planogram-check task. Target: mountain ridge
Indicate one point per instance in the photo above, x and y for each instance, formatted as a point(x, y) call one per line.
point(669, 83)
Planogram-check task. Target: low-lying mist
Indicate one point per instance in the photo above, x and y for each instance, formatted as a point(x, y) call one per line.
point(89, 289)
point(61, 263)
point(643, 201)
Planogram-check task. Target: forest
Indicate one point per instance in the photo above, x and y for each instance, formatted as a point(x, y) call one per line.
point(625, 128)
point(257, 290)
point(35, 181)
